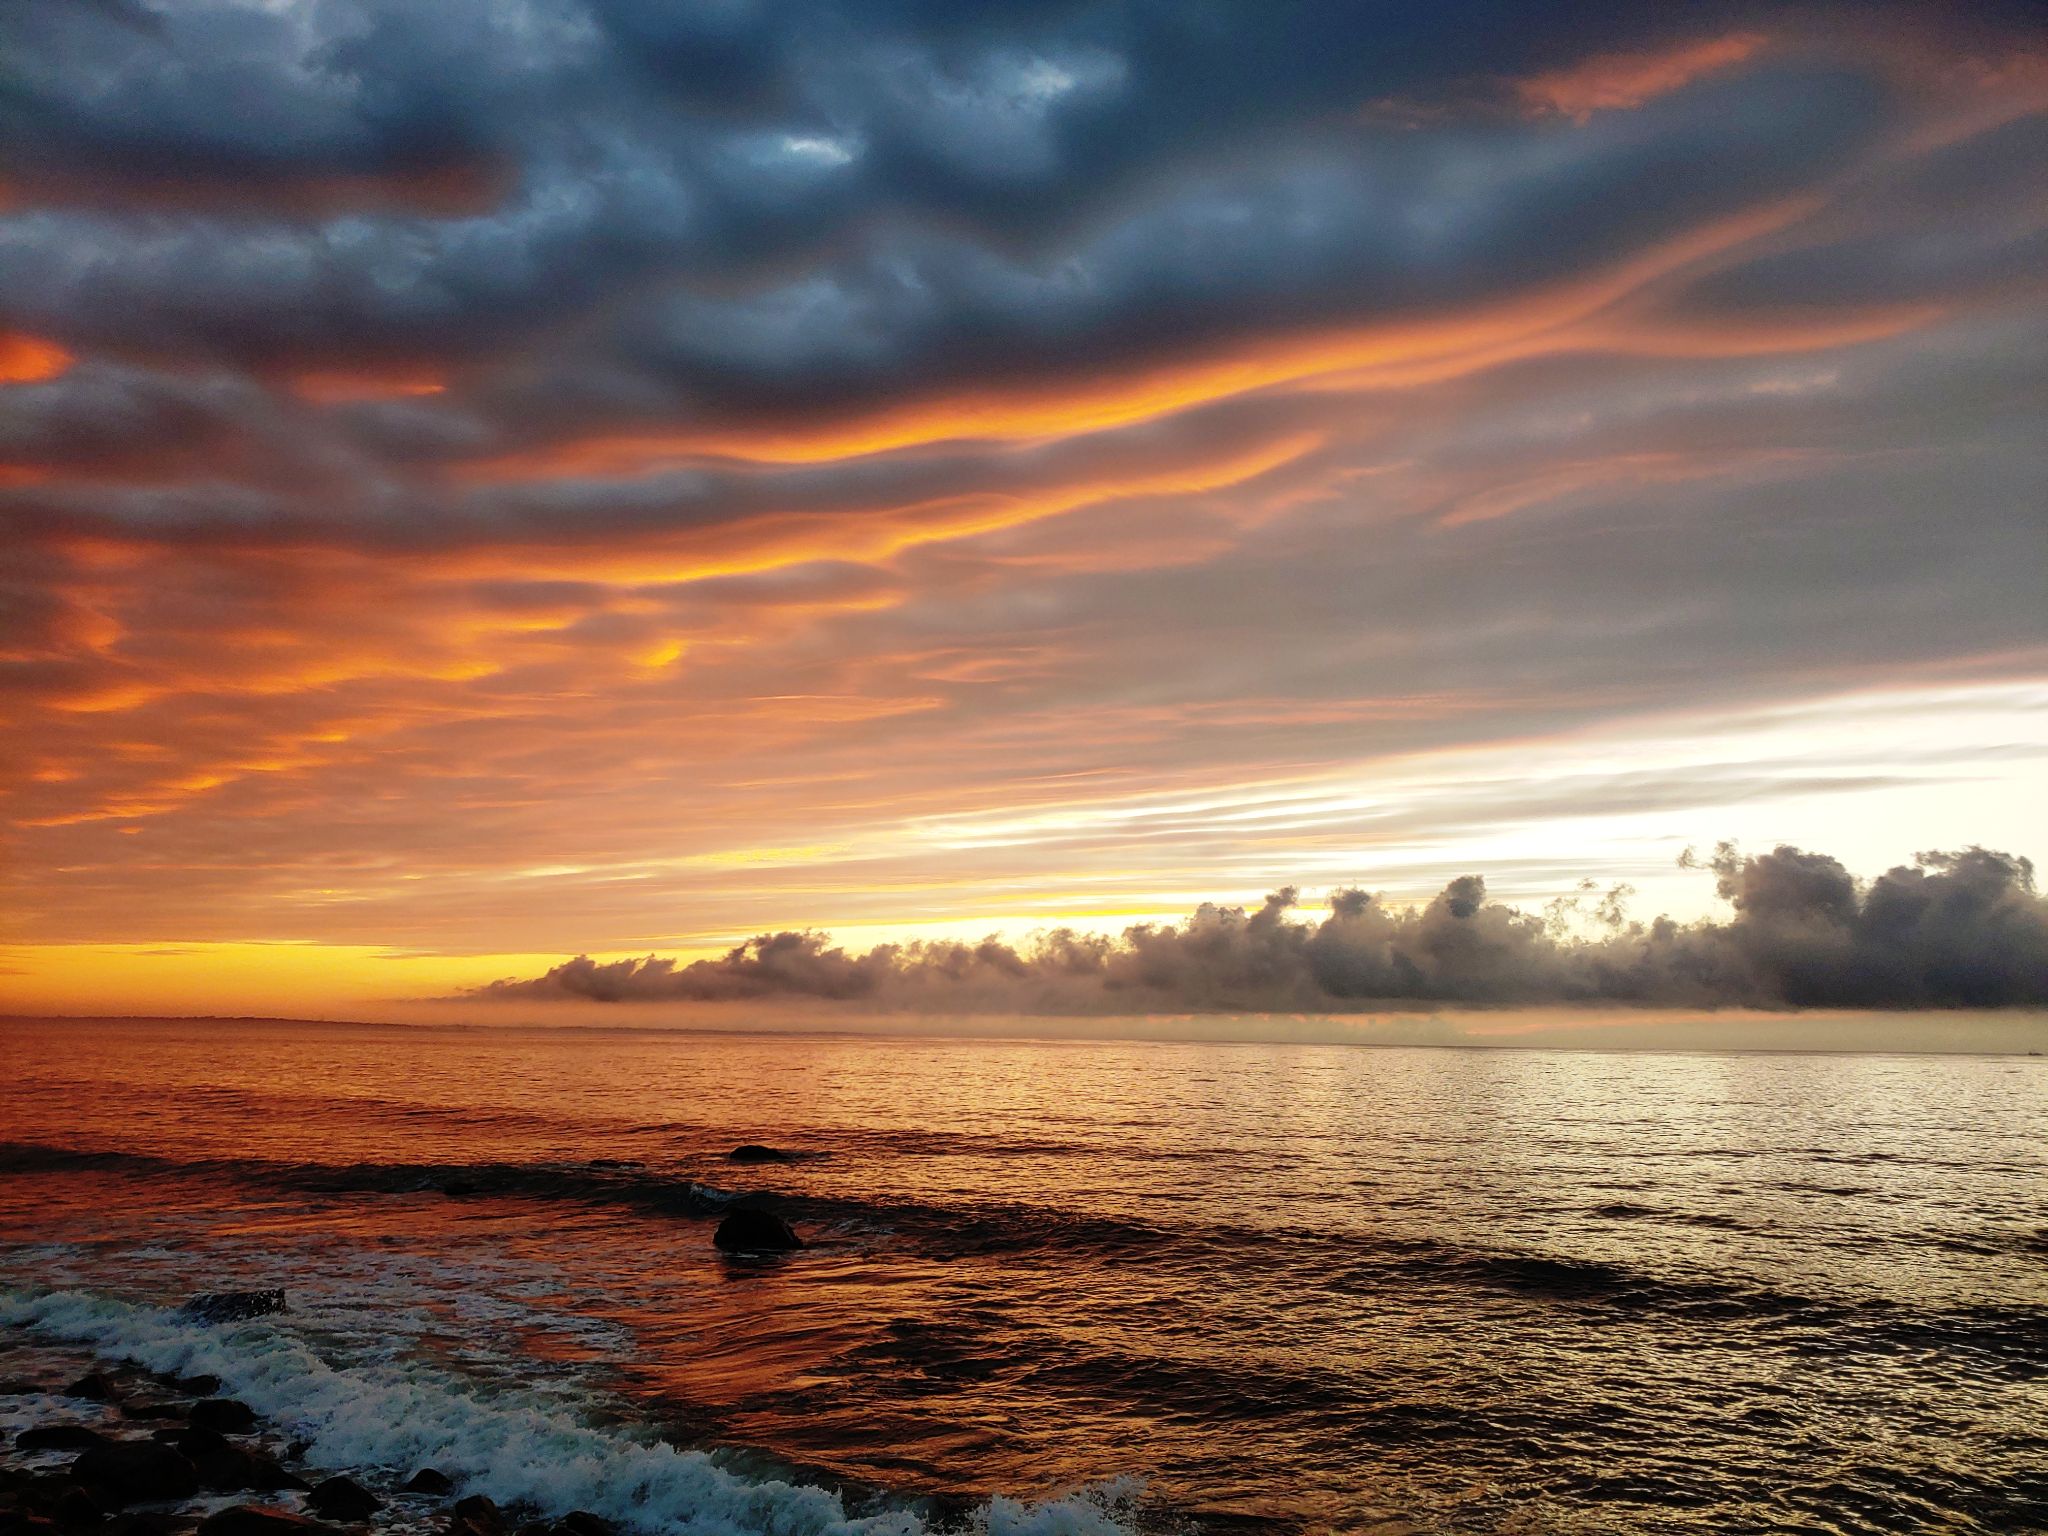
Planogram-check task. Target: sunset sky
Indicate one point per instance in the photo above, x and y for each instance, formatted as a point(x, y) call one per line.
point(493, 480)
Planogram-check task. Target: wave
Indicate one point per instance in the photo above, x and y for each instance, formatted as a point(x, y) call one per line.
point(397, 1417)
point(2008, 1341)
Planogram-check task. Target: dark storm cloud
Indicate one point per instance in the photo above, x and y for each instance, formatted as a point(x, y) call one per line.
point(957, 155)
point(1961, 929)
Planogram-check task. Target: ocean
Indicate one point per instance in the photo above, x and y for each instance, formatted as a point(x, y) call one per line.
point(1066, 1287)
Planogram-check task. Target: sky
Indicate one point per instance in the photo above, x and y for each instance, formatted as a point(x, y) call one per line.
point(500, 480)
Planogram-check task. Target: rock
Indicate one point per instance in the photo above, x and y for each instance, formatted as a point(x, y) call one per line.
point(750, 1231)
point(232, 1469)
point(198, 1386)
point(429, 1480)
point(196, 1442)
point(262, 1520)
point(95, 1387)
point(18, 1386)
point(59, 1437)
point(223, 1414)
point(140, 1522)
point(343, 1498)
point(754, 1152)
point(581, 1522)
point(76, 1510)
point(129, 1471)
point(233, 1306)
point(479, 1515)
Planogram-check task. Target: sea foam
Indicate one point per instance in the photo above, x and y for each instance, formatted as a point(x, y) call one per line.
point(402, 1415)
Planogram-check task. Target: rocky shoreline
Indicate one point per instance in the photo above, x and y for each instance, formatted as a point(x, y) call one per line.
point(99, 1447)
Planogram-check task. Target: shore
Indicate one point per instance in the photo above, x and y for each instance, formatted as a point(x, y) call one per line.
point(104, 1447)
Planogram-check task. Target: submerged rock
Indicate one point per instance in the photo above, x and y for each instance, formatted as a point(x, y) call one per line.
point(429, 1480)
point(95, 1387)
point(343, 1498)
point(754, 1231)
point(198, 1386)
point(129, 1471)
point(233, 1306)
point(754, 1152)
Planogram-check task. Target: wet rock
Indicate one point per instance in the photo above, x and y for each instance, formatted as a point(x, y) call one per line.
point(222, 1414)
point(343, 1498)
point(206, 1385)
point(194, 1442)
point(96, 1387)
point(232, 1470)
point(477, 1516)
point(754, 1152)
point(262, 1520)
point(140, 1522)
point(76, 1510)
point(59, 1437)
point(754, 1231)
point(581, 1522)
point(130, 1471)
point(18, 1386)
point(430, 1480)
point(233, 1306)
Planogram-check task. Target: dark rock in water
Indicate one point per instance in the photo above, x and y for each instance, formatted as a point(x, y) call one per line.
point(18, 1386)
point(233, 1306)
point(430, 1480)
point(140, 1522)
point(59, 1437)
point(232, 1470)
point(95, 1387)
point(197, 1442)
point(198, 1386)
point(752, 1231)
point(581, 1522)
point(343, 1498)
point(76, 1511)
point(222, 1414)
point(129, 1471)
point(262, 1520)
point(754, 1152)
point(476, 1516)
point(459, 1189)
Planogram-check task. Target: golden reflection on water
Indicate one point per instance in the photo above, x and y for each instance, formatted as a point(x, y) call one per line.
point(1313, 1285)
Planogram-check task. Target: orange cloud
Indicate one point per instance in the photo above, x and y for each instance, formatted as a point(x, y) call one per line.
point(28, 359)
point(341, 386)
point(1439, 346)
point(1622, 81)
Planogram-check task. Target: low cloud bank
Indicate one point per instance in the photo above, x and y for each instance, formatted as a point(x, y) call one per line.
point(1950, 930)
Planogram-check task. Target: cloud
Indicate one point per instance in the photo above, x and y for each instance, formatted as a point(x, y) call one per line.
point(542, 461)
point(1950, 930)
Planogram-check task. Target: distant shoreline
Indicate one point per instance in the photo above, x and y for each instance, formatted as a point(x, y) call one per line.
point(1600, 1028)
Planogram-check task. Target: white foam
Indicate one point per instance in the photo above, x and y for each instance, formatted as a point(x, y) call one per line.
point(401, 1415)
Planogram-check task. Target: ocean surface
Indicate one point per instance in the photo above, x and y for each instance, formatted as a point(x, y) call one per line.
point(1061, 1287)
